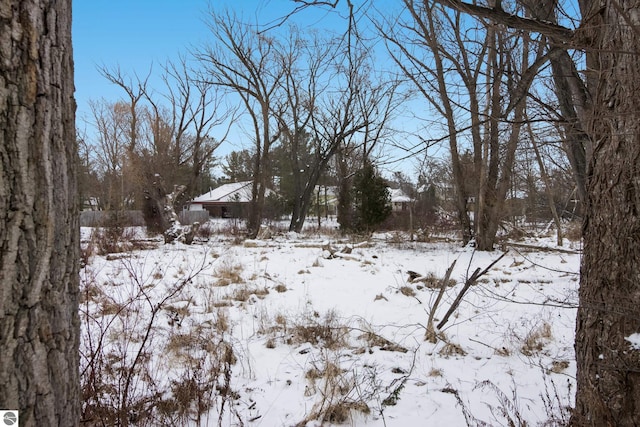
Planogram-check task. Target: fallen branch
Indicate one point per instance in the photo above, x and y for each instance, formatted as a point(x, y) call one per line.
point(470, 281)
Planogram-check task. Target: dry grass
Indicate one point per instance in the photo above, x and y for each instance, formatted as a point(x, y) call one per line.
point(432, 281)
point(407, 291)
point(451, 349)
point(537, 339)
point(243, 293)
point(340, 392)
point(435, 372)
point(375, 340)
point(340, 413)
point(327, 332)
point(229, 273)
point(112, 240)
point(559, 366)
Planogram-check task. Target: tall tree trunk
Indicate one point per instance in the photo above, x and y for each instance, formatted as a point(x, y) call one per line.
point(39, 233)
point(577, 140)
point(608, 364)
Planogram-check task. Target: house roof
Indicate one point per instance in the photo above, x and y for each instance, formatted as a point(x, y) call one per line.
point(398, 196)
point(227, 193)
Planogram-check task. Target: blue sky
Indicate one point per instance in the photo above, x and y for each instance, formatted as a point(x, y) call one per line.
point(136, 34)
point(139, 35)
point(131, 34)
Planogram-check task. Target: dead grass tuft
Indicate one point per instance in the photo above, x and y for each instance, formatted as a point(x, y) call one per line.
point(407, 291)
point(326, 332)
point(451, 349)
point(375, 340)
point(280, 288)
point(435, 372)
point(432, 281)
point(229, 273)
point(537, 339)
point(559, 366)
point(340, 413)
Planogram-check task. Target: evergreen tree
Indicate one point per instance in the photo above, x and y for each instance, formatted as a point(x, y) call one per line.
point(372, 198)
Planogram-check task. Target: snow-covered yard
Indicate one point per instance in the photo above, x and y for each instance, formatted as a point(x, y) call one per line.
point(278, 332)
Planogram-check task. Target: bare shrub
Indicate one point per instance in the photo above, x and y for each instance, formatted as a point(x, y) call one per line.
point(205, 231)
point(507, 410)
point(508, 407)
point(557, 407)
point(340, 391)
point(205, 380)
point(111, 240)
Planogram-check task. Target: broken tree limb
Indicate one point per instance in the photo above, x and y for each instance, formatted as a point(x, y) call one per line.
point(431, 333)
point(470, 281)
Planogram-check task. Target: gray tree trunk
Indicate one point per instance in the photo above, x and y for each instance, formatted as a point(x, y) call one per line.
point(608, 365)
point(39, 233)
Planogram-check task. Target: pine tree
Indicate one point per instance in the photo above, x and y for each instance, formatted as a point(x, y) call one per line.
point(372, 199)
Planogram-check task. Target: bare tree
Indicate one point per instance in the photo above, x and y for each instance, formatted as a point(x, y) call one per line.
point(135, 90)
point(245, 63)
point(478, 86)
point(111, 122)
point(572, 95)
point(533, 140)
point(306, 65)
point(608, 379)
point(39, 232)
point(198, 108)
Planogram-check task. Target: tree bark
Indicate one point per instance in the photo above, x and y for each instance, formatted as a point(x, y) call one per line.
point(39, 233)
point(608, 366)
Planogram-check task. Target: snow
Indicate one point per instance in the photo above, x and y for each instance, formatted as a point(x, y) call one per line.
point(509, 342)
point(634, 340)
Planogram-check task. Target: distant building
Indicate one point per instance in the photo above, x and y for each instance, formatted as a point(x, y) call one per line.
point(227, 201)
point(399, 200)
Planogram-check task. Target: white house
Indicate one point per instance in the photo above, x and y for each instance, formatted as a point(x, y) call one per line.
point(399, 200)
point(226, 201)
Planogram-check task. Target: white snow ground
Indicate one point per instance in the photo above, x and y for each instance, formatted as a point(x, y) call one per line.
point(307, 333)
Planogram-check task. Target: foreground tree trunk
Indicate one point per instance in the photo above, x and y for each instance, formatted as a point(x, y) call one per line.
point(608, 364)
point(39, 238)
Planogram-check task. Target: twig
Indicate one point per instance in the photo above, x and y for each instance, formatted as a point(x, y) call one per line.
point(470, 281)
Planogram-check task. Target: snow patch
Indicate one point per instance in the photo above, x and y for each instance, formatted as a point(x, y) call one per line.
point(634, 339)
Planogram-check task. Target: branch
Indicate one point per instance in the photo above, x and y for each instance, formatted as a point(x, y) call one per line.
point(431, 334)
point(470, 281)
point(549, 29)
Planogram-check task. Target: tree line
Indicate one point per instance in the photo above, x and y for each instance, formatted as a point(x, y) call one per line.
point(316, 108)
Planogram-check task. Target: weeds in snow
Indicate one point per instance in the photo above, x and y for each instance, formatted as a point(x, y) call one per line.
point(126, 350)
